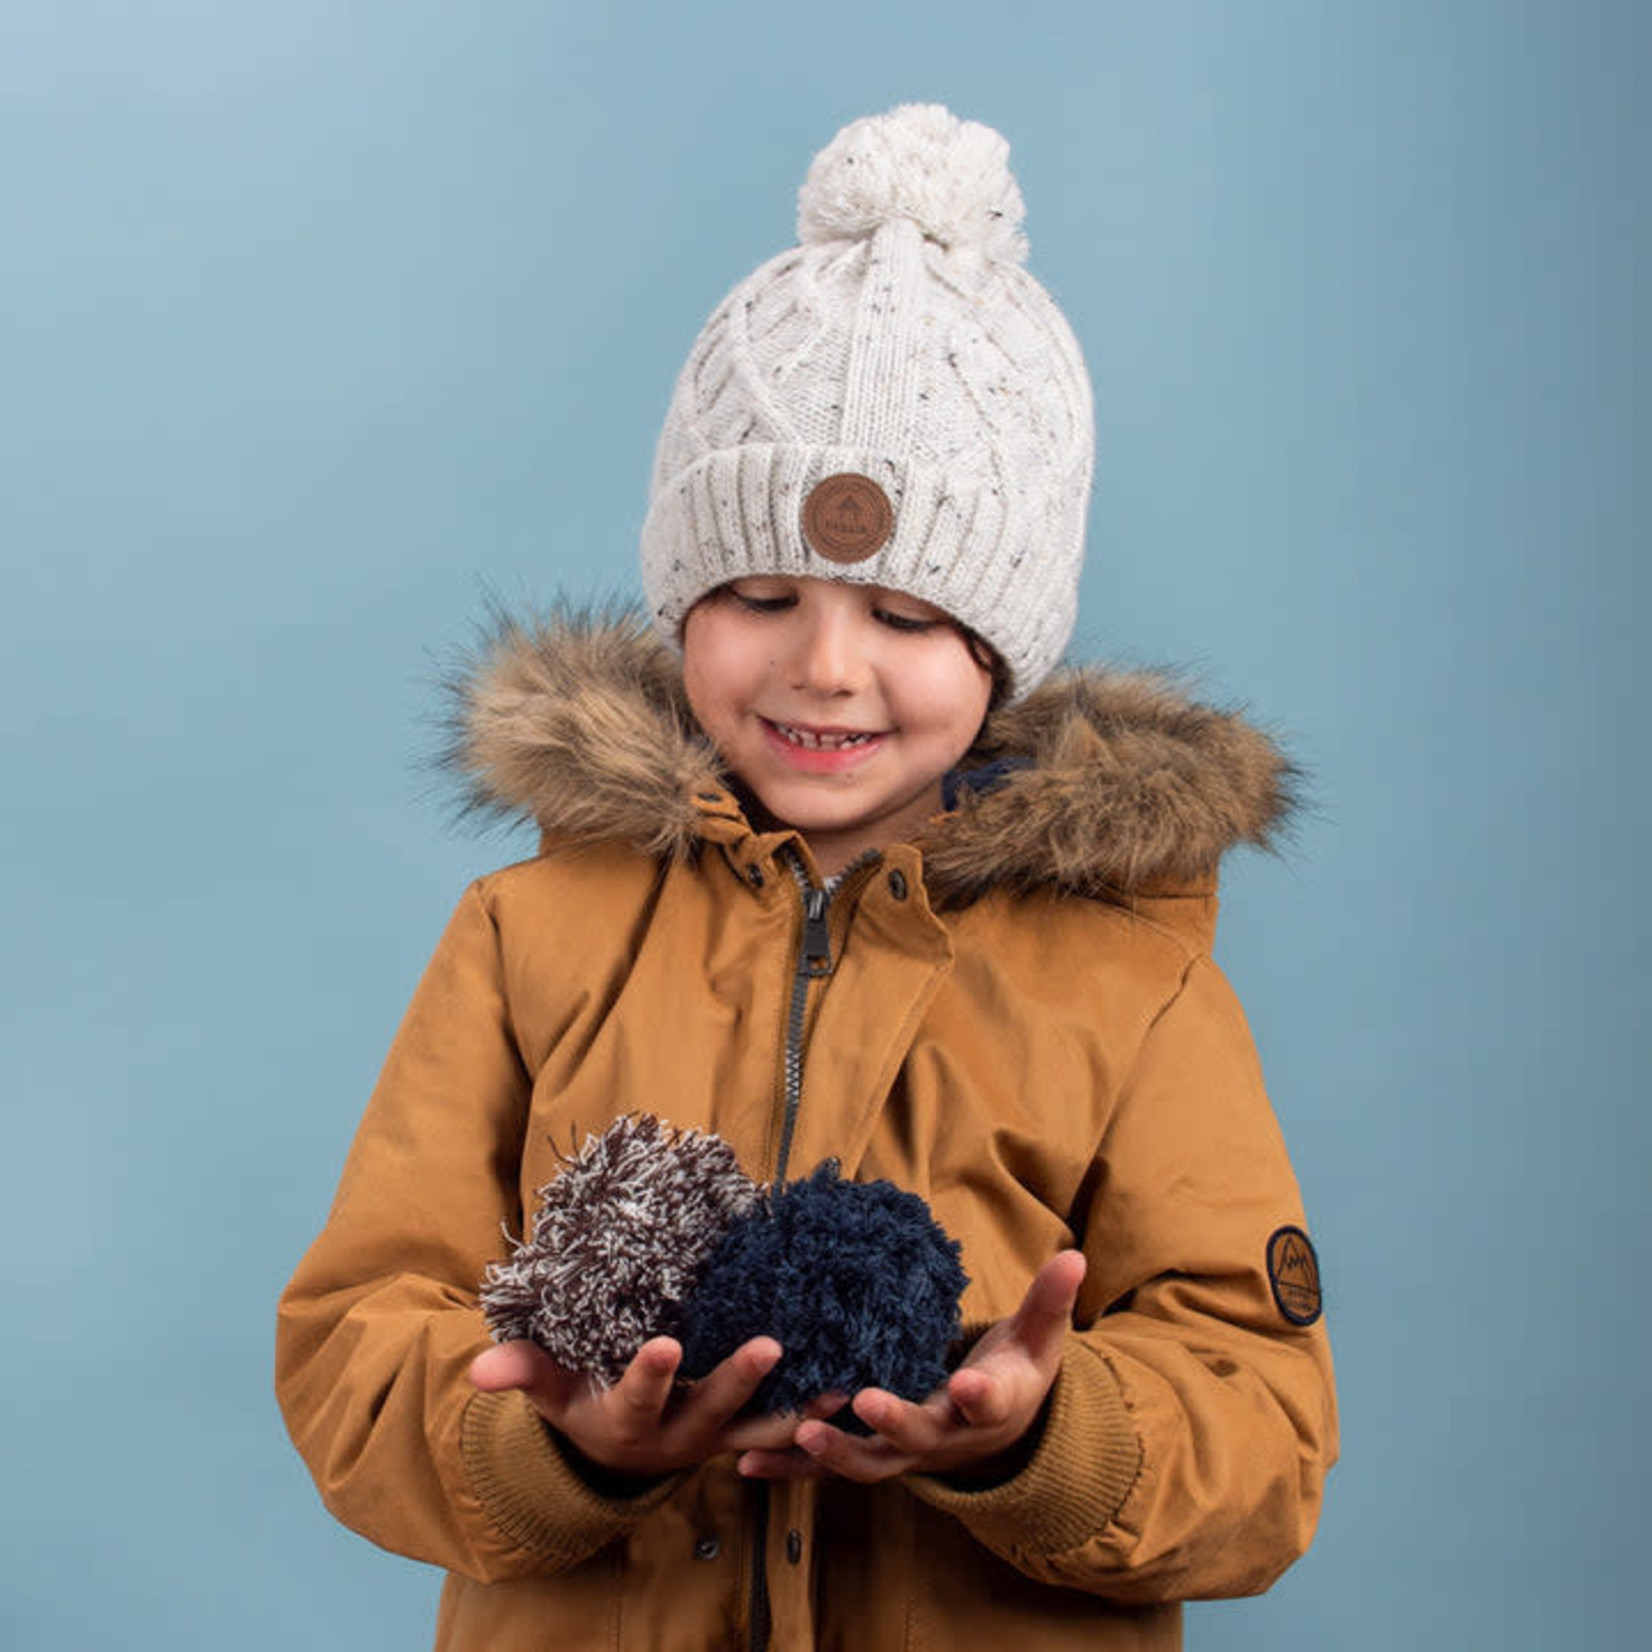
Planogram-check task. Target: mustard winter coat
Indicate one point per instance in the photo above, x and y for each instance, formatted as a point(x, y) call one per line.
point(1019, 1019)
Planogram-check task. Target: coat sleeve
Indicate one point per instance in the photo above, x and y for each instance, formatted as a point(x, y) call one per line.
point(380, 1322)
point(1184, 1446)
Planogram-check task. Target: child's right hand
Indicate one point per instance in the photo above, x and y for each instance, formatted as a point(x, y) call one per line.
point(643, 1426)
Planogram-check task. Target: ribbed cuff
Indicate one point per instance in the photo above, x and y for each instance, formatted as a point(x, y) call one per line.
point(1076, 1480)
point(533, 1490)
point(963, 543)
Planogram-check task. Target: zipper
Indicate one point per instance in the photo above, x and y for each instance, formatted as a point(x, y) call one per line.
point(814, 963)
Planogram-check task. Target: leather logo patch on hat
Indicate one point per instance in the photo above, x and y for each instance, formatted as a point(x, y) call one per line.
point(847, 518)
point(1293, 1272)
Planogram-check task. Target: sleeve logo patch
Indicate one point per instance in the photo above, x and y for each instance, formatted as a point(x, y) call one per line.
point(1293, 1272)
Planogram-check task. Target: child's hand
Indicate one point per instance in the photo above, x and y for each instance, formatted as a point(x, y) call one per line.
point(642, 1426)
point(972, 1425)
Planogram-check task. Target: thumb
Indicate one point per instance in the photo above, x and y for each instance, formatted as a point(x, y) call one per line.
point(522, 1365)
point(1046, 1311)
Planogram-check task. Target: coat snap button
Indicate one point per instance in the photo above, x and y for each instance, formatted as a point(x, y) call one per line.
point(754, 875)
point(794, 1545)
point(897, 885)
point(707, 1548)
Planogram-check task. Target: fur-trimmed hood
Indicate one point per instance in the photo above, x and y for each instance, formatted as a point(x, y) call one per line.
point(1117, 783)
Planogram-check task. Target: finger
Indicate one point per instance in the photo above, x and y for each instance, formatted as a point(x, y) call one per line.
point(509, 1365)
point(826, 1405)
point(637, 1401)
point(527, 1367)
point(779, 1465)
point(980, 1399)
point(1046, 1311)
point(910, 1428)
point(774, 1433)
point(865, 1461)
point(721, 1393)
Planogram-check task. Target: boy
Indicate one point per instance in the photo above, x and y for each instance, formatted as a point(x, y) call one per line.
point(849, 881)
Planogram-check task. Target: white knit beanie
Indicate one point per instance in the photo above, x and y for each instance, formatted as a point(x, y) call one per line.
point(894, 402)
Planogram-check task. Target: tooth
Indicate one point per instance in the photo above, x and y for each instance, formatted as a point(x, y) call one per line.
point(812, 740)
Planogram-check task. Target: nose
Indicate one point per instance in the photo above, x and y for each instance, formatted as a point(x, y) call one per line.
point(829, 658)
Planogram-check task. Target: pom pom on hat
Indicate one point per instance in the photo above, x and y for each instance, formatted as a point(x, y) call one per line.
point(950, 177)
point(856, 1281)
point(616, 1243)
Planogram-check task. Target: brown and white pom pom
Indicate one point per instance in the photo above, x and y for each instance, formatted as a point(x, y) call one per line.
point(617, 1241)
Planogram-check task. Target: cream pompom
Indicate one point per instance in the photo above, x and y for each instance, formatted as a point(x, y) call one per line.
point(950, 177)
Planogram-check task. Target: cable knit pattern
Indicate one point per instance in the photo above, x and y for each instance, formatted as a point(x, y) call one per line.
point(903, 341)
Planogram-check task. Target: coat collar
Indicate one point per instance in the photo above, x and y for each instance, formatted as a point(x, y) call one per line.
point(1114, 784)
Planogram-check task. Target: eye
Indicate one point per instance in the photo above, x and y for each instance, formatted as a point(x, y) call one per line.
point(913, 624)
point(761, 601)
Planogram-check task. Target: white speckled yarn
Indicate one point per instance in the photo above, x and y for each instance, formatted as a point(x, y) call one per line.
point(902, 340)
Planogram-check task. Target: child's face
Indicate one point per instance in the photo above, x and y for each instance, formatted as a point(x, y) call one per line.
point(840, 706)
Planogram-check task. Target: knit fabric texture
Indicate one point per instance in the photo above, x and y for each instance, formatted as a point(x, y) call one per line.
point(904, 341)
point(856, 1281)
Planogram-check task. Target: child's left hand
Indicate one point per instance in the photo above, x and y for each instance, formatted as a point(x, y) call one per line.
point(982, 1414)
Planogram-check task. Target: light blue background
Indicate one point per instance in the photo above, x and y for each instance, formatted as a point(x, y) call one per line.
point(316, 318)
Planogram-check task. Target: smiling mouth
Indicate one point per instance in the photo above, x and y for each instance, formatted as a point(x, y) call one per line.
point(821, 739)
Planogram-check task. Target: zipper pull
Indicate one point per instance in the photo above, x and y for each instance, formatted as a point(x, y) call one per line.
point(816, 957)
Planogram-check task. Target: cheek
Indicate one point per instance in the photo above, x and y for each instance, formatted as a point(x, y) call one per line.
point(950, 698)
point(703, 699)
point(696, 684)
point(721, 669)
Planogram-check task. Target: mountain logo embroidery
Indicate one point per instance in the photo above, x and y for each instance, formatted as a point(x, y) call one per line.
point(1293, 1272)
point(847, 518)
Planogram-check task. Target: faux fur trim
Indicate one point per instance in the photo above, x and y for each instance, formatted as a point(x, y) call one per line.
point(1130, 788)
point(1124, 785)
point(578, 721)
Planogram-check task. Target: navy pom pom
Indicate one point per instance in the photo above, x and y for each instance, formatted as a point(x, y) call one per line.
point(855, 1280)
